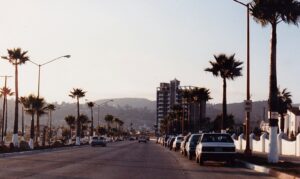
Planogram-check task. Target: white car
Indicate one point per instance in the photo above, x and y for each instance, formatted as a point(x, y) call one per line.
point(177, 142)
point(215, 147)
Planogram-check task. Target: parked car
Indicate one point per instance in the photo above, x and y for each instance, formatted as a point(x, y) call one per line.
point(183, 143)
point(142, 139)
point(98, 141)
point(177, 142)
point(191, 144)
point(216, 147)
point(131, 138)
point(170, 142)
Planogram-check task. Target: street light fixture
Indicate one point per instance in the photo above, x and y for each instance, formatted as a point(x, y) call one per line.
point(248, 101)
point(40, 65)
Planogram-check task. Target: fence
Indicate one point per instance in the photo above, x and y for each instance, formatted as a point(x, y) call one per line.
point(285, 147)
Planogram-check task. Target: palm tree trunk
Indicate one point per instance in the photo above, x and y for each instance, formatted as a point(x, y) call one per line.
point(15, 140)
point(50, 126)
point(273, 100)
point(37, 136)
point(23, 123)
point(5, 127)
point(3, 118)
point(78, 124)
point(224, 107)
point(282, 122)
point(92, 125)
point(31, 132)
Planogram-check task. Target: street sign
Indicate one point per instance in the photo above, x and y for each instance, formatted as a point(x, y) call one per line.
point(248, 105)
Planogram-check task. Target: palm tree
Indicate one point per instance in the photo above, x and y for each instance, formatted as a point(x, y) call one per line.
point(77, 93)
point(284, 103)
point(50, 108)
point(177, 110)
point(83, 120)
point(71, 121)
point(29, 105)
point(5, 92)
point(22, 101)
point(108, 119)
point(187, 99)
point(201, 96)
point(227, 67)
point(16, 57)
point(40, 109)
point(91, 105)
point(273, 12)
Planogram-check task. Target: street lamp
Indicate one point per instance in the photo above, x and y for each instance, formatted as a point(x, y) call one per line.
point(40, 65)
point(39, 82)
point(248, 101)
point(105, 102)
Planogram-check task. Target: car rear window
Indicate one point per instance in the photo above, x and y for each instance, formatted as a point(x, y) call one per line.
point(179, 138)
point(217, 138)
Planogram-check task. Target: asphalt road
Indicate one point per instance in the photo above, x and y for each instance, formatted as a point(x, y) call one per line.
point(122, 160)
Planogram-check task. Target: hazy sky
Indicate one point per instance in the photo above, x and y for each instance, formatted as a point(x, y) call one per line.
point(125, 48)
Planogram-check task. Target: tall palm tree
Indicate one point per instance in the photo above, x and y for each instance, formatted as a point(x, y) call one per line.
point(273, 12)
point(71, 121)
point(22, 101)
point(201, 96)
point(227, 67)
point(91, 105)
point(16, 57)
point(4, 92)
point(77, 93)
point(50, 108)
point(187, 99)
point(108, 119)
point(284, 103)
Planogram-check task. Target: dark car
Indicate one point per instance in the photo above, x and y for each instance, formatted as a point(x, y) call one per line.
point(142, 139)
point(98, 141)
point(190, 146)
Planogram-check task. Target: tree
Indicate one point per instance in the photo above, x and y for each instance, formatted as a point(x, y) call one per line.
point(71, 121)
point(284, 103)
point(40, 109)
point(273, 12)
point(83, 120)
point(77, 93)
point(16, 57)
point(4, 92)
point(201, 96)
point(91, 105)
point(33, 105)
point(108, 119)
point(187, 98)
point(50, 108)
point(227, 67)
point(227, 124)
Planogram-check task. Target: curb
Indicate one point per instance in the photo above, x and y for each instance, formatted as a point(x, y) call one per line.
point(269, 171)
point(3, 155)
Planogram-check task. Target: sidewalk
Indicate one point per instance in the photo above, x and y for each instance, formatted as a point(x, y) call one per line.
point(287, 167)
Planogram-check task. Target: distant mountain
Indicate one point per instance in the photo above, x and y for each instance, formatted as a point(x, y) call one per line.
point(139, 111)
point(131, 102)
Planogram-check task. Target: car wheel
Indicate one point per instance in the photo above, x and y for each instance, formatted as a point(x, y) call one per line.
point(231, 162)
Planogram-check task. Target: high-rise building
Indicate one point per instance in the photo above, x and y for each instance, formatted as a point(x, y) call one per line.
point(168, 95)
